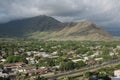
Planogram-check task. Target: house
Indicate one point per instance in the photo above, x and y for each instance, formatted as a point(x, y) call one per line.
point(111, 54)
point(38, 71)
point(54, 68)
point(16, 53)
point(76, 60)
point(117, 75)
point(98, 59)
point(28, 53)
point(86, 58)
point(3, 74)
point(53, 57)
point(25, 69)
point(43, 54)
point(2, 60)
point(54, 53)
point(30, 60)
point(13, 66)
point(118, 47)
point(1, 70)
point(91, 62)
point(95, 54)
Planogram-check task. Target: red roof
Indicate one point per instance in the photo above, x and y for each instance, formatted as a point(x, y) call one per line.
point(38, 71)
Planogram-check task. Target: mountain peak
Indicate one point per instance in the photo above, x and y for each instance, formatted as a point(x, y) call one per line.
point(86, 24)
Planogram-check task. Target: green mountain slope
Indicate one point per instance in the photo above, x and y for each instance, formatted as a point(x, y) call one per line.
point(19, 28)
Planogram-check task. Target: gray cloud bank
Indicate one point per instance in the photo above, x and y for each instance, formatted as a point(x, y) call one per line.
point(100, 11)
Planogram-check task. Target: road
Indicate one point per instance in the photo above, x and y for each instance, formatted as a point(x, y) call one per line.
point(52, 77)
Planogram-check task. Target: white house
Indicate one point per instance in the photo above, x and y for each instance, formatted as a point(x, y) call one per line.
point(76, 60)
point(98, 59)
point(118, 47)
point(117, 75)
point(3, 60)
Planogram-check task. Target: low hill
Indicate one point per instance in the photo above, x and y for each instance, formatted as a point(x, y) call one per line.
point(76, 31)
point(48, 28)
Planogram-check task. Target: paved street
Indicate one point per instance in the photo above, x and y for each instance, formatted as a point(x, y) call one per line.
point(52, 77)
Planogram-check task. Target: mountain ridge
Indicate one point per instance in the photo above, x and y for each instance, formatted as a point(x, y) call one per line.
point(45, 27)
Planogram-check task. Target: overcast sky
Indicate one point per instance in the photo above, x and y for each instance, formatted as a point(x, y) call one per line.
point(102, 12)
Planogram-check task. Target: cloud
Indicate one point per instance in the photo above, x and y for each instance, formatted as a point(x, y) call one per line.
point(103, 12)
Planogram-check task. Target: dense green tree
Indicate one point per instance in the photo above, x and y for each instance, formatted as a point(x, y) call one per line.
point(87, 74)
point(103, 75)
point(65, 66)
point(14, 59)
point(50, 62)
point(117, 66)
point(80, 64)
point(1, 66)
